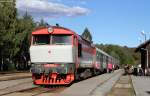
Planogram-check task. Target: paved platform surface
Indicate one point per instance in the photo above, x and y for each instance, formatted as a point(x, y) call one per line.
point(123, 87)
point(104, 88)
point(141, 85)
point(92, 86)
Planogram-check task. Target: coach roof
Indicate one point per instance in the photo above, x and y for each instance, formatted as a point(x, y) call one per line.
point(101, 51)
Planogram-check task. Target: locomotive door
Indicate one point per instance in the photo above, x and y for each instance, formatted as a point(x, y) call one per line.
point(76, 63)
point(75, 51)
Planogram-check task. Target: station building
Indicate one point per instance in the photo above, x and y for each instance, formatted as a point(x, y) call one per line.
point(144, 50)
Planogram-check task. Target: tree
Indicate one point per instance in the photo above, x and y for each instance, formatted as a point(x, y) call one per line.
point(25, 26)
point(42, 23)
point(7, 32)
point(14, 36)
point(87, 35)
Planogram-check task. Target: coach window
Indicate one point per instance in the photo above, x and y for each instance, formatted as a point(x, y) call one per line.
point(97, 56)
point(104, 58)
point(41, 39)
point(107, 60)
point(101, 58)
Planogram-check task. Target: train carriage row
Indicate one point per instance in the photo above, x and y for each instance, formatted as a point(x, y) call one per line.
point(59, 56)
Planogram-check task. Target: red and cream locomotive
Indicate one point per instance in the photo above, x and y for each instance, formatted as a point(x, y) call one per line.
point(59, 56)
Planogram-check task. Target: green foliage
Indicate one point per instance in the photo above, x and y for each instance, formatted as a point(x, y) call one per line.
point(87, 35)
point(24, 27)
point(7, 31)
point(14, 35)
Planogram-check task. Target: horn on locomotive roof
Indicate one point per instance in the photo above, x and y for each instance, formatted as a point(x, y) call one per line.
point(57, 25)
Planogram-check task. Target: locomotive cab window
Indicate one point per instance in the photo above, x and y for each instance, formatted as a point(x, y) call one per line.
point(41, 39)
point(61, 39)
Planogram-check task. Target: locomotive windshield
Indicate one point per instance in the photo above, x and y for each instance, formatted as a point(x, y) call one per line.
point(41, 39)
point(61, 39)
point(52, 39)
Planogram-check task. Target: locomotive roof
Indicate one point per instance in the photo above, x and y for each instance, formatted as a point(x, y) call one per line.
point(44, 30)
point(58, 30)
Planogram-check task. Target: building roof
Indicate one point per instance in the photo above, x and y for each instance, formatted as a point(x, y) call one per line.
point(143, 45)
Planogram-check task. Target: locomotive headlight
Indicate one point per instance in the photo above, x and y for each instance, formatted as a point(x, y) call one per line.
point(32, 65)
point(50, 29)
point(38, 65)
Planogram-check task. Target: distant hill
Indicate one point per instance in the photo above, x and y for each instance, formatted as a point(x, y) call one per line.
point(125, 54)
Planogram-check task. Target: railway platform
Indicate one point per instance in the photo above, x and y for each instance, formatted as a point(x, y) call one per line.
point(141, 85)
point(123, 87)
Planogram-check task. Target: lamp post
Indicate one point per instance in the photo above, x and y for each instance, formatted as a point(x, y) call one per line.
point(144, 34)
point(140, 40)
point(146, 58)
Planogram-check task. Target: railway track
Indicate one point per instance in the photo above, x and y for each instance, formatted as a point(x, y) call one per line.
point(16, 88)
point(13, 72)
point(35, 91)
point(13, 83)
point(14, 76)
point(25, 87)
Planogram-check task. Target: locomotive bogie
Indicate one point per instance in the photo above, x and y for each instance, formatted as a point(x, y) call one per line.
point(53, 79)
point(48, 73)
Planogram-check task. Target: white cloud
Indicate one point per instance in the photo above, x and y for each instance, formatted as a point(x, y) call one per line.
point(44, 8)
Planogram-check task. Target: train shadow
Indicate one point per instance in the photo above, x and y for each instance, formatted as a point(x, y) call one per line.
point(54, 86)
point(148, 92)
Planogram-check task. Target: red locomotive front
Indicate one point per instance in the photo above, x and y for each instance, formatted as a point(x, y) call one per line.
point(52, 56)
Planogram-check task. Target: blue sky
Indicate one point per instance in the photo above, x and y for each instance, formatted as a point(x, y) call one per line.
point(110, 21)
